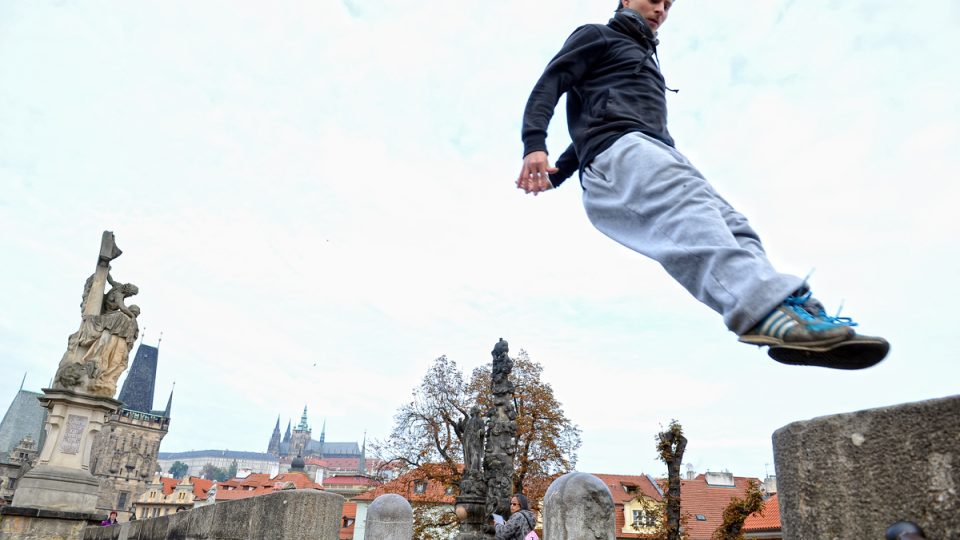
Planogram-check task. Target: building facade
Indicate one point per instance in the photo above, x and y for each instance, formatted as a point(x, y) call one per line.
point(165, 495)
point(298, 441)
point(124, 453)
point(16, 464)
point(254, 462)
point(21, 437)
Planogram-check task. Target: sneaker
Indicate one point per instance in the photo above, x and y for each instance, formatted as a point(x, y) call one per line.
point(791, 325)
point(815, 308)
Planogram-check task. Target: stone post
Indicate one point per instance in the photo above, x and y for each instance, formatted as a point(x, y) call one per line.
point(501, 438)
point(578, 506)
point(851, 476)
point(389, 517)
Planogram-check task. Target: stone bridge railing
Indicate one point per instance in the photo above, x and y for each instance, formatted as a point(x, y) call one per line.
point(842, 477)
point(300, 514)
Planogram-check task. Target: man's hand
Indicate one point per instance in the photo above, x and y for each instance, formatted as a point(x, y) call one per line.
point(534, 176)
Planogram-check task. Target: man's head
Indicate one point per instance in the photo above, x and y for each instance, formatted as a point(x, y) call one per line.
point(653, 11)
point(113, 514)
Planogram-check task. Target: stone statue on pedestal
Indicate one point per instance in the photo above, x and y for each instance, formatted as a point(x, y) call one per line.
point(78, 406)
point(471, 431)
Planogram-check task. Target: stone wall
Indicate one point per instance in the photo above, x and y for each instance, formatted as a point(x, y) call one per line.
point(285, 515)
point(36, 524)
point(850, 476)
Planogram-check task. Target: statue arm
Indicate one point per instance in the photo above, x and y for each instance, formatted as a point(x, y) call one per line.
point(126, 311)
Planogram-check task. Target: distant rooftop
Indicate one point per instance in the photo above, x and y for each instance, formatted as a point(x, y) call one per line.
point(24, 417)
point(234, 454)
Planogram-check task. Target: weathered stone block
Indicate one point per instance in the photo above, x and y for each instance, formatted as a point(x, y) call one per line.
point(390, 517)
point(578, 506)
point(19, 523)
point(286, 515)
point(850, 476)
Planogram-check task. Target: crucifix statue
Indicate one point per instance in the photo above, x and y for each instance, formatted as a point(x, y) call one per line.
point(97, 353)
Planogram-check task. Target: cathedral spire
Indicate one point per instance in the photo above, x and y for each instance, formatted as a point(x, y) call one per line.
point(286, 436)
point(273, 447)
point(23, 380)
point(302, 426)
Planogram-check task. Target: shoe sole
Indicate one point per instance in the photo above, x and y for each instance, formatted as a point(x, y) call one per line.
point(806, 345)
point(859, 352)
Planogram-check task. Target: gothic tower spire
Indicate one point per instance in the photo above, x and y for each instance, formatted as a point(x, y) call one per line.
point(302, 426)
point(137, 390)
point(274, 446)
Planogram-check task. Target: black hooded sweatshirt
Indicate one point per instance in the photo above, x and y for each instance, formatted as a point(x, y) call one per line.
point(613, 84)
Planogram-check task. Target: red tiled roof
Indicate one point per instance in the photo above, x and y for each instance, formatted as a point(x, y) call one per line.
point(349, 481)
point(233, 495)
point(435, 492)
point(168, 484)
point(200, 486)
point(635, 484)
point(769, 521)
point(341, 464)
point(697, 497)
point(260, 484)
point(350, 513)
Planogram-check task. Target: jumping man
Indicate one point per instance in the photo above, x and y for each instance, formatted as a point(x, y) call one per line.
point(643, 193)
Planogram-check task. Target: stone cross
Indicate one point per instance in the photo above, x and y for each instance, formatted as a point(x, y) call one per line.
point(93, 300)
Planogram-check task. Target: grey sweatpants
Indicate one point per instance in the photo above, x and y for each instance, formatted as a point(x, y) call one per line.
point(650, 198)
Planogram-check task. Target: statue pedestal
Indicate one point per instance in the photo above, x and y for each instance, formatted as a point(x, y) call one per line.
point(61, 479)
point(472, 513)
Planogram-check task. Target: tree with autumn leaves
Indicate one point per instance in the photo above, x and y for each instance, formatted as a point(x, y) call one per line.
point(425, 429)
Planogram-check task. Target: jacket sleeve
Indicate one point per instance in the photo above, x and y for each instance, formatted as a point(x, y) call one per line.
point(568, 163)
point(514, 528)
point(562, 73)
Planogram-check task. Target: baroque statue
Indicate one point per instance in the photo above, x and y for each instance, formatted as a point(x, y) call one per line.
point(98, 352)
point(471, 430)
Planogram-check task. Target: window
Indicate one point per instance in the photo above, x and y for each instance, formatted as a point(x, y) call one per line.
point(644, 518)
point(347, 521)
point(122, 500)
point(701, 517)
point(419, 487)
point(449, 490)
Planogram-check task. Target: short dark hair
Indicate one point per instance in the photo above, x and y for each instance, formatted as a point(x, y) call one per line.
point(619, 5)
point(522, 499)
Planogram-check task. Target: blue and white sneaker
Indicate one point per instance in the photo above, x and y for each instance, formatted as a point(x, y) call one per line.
point(792, 325)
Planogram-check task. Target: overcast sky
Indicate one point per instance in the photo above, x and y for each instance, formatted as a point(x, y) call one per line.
point(316, 199)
